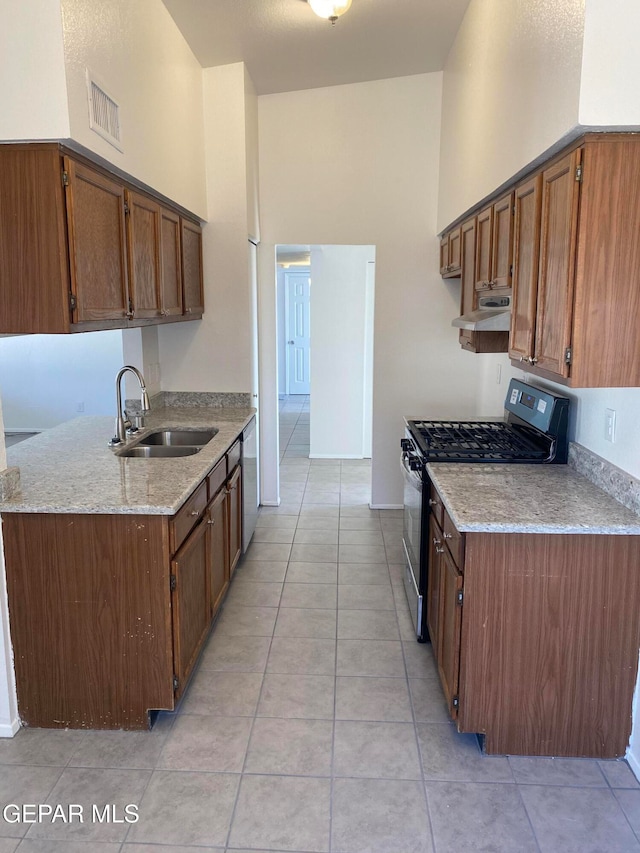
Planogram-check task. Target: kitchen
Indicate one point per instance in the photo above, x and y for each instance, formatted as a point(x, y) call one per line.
point(394, 128)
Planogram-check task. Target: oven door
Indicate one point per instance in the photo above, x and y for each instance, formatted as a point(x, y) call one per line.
point(411, 466)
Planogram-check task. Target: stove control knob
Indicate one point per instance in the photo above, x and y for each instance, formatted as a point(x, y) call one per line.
point(405, 444)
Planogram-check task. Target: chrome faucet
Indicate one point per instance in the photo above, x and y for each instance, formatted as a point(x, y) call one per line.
point(123, 424)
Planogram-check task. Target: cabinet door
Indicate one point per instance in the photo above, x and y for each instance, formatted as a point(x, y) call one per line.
point(143, 230)
point(450, 627)
point(444, 254)
point(192, 283)
point(558, 230)
point(218, 552)
point(97, 244)
point(234, 492)
point(455, 258)
point(467, 296)
point(501, 248)
point(170, 267)
point(190, 603)
point(484, 237)
point(526, 246)
point(436, 550)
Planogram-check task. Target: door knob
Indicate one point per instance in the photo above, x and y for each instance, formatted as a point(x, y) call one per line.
point(291, 343)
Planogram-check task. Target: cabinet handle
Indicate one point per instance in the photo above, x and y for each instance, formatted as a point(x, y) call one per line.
point(436, 541)
point(533, 361)
point(439, 549)
point(194, 512)
point(188, 310)
point(432, 502)
point(129, 314)
point(447, 535)
point(211, 521)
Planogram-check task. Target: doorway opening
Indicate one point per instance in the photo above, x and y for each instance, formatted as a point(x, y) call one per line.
point(325, 312)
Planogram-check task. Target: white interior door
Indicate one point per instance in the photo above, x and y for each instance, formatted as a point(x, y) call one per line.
point(297, 289)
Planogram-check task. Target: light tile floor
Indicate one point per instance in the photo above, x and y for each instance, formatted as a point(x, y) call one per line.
point(314, 722)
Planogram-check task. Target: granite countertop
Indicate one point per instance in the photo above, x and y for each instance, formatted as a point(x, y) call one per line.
point(528, 499)
point(71, 468)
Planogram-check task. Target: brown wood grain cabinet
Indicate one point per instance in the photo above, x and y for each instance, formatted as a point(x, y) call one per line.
point(192, 275)
point(573, 252)
point(234, 493)
point(450, 254)
point(109, 613)
point(83, 249)
point(474, 341)
point(536, 638)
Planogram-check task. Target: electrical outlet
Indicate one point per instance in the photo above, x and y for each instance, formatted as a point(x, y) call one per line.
point(610, 425)
point(80, 406)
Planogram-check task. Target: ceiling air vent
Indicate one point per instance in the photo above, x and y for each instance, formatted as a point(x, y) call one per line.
point(104, 112)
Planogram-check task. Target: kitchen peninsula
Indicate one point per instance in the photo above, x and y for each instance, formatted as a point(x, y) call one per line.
point(116, 566)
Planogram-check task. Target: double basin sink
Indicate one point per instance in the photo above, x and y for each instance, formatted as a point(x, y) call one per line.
point(165, 443)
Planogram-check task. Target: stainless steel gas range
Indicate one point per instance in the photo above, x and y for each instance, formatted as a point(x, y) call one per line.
point(534, 430)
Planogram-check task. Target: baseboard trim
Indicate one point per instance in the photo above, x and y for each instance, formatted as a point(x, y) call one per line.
point(270, 503)
point(386, 506)
point(336, 456)
point(634, 764)
point(10, 729)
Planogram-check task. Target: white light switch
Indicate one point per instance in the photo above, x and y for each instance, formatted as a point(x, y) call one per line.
point(610, 425)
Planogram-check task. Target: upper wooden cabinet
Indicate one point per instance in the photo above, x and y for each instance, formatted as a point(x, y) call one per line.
point(494, 242)
point(474, 341)
point(81, 249)
point(572, 250)
point(193, 287)
point(450, 254)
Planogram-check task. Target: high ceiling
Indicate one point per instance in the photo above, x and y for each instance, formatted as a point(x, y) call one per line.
point(287, 47)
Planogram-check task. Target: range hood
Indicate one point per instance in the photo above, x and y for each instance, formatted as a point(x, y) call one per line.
point(492, 315)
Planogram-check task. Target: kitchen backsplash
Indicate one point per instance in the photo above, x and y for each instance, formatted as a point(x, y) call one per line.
point(611, 479)
point(195, 399)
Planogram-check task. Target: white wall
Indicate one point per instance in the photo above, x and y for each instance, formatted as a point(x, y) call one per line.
point(362, 169)
point(142, 59)
point(215, 354)
point(43, 378)
point(34, 91)
point(610, 64)
point(511, 90)
point(338, 335)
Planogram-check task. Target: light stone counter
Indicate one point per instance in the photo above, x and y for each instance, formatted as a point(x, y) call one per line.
point(528, 499)
point(71, 468)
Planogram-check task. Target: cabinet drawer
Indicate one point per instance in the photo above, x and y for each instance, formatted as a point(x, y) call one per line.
point(187, 516)
point(437, 508)
point(217, 477)
point(453, 538)
point(233, 455)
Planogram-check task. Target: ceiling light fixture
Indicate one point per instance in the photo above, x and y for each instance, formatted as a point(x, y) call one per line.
point(330, 9)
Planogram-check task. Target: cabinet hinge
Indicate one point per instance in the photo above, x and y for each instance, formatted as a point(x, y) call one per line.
point(65, 179)
point(176, 682)
point(567, 355)
point(455, 701)
point(579, 173)
point(73, 302)
point(172, 582)
point(126, 209)
point(459, 597)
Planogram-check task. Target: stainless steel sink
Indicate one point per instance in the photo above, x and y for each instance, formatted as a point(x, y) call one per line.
point(178, 438)
point(158, 451)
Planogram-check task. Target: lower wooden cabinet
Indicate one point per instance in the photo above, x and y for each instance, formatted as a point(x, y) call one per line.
point(234, 492)
point(536, 638)
point(190, 604)
point(109, 612)
point(218, 548)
